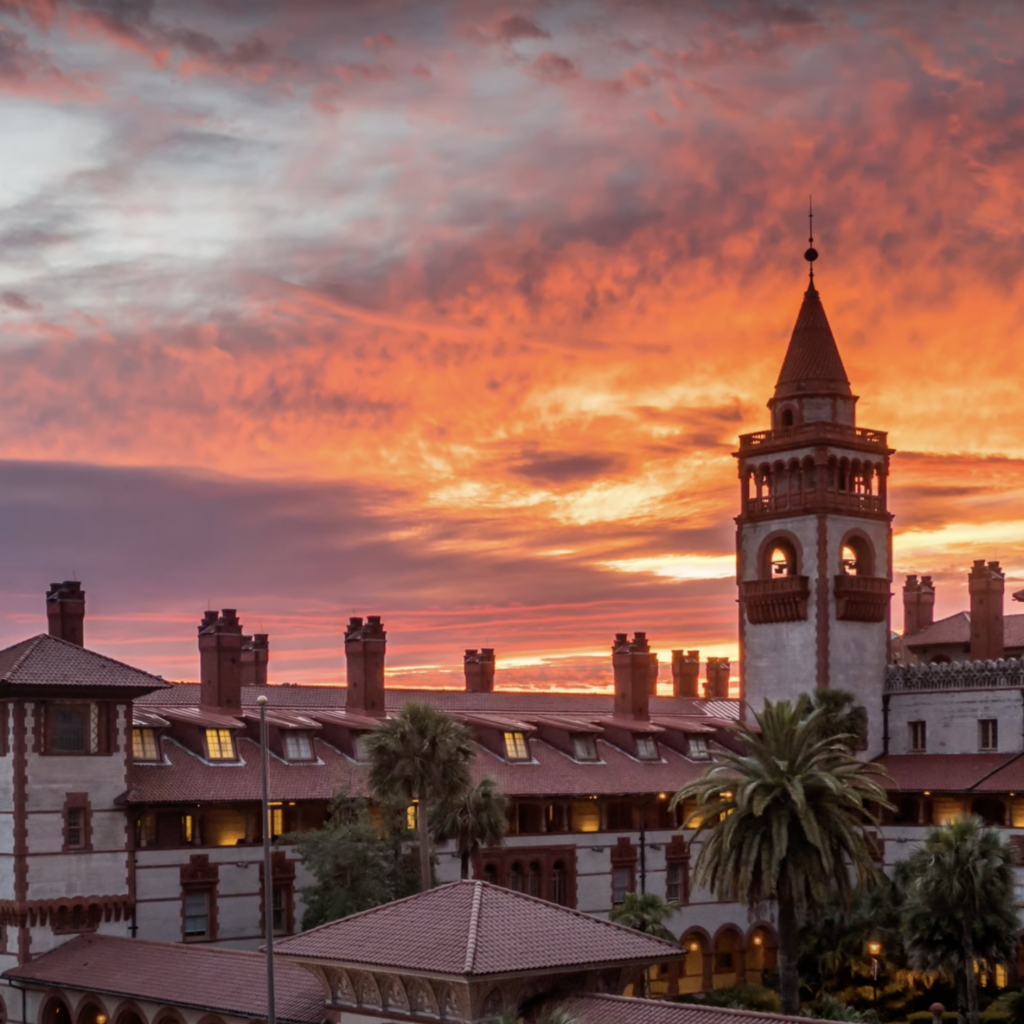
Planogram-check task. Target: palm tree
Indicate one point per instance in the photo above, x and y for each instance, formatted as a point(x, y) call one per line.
point(959, 907)
point(474, 818)
point(644, 912)
point(785, 821)
point(420, 756)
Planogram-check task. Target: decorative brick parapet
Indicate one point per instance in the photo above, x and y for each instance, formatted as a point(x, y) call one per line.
point(955, 675)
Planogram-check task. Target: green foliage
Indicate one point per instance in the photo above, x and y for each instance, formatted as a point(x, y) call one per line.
point(419, 755)
point(358, 863)
point(473, 818)
point(785, 821)
point(735, 997)
point(842, 717)
point(960, 905)
point(829, 1008)
point(644, 912)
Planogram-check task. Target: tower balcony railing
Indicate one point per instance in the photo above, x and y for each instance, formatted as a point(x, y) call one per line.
point(810, 501)
point(862, 598)
point(783, 599)
point(811, 432)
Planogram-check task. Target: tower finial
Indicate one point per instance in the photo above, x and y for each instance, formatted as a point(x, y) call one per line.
point(812, 254)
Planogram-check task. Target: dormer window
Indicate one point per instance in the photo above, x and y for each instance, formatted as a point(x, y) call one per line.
point(359, 748)
point(647, 748)
point(144, 745)
point(515, 746)
point(298, 746)
point(584, 748)
point(697, 746)
point(220, 745)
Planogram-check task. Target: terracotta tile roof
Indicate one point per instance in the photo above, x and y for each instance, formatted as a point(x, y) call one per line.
point(812, 364)
point(186, 777)
point(500, 702)
point(45, 660)
point(474, 929)
point(593, 1008)
point(956, 629)
point(216, 980)
point(1008, 779)
point(942, 773)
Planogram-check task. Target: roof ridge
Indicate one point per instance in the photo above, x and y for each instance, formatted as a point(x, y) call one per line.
point(614, 925)
point(474, 926)
point(47, 637)
point(30, 645)
point(701, 1007)
point(368, 912)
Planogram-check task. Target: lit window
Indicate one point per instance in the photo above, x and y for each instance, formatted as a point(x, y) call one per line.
point(75, 828)
point(220, 745)
point(187, 822)
point(275, 819)
point(584, 748)
point(298, 746)
point(411, 817)
point(515, 747)
point(918, 737)
point(197, 914)
point(146, 829)
point(988, 729)
point(144, 747)
point(647, 748)
point(698, 747)
point(622, 879)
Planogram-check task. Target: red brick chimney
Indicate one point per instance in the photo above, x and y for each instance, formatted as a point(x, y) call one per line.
point(255, 659)
point(632, 665)
point(65, 611)
point(986, 584)
point(717, 685)
point(220, 660)
point(365, 646)
point(918, 604)
point(685, 673)
point(479, 669)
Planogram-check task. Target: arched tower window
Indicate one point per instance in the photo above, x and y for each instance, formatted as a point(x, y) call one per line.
point(857, 558)
point(787, 417)
point(781, 559)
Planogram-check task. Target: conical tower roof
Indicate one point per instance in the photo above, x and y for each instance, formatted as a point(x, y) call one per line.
point(812, 365)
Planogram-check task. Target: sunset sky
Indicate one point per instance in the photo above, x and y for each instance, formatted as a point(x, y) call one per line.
point(453, 311)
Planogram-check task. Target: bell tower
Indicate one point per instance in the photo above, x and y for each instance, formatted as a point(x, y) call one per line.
point(814, 534)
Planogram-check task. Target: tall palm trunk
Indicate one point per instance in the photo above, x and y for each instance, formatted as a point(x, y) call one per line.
point(970, 980)
point(789, 978)
point(423, 828)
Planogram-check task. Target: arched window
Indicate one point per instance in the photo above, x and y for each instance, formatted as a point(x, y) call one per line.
point(533, 879)
point(781, 559)
point(558, 884)
point(515, 877)
point(56, 1012)
point(787, 417)
point(856, 557)
point(491, 873)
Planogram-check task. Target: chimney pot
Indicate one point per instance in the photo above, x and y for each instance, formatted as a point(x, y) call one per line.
point(685, 673)
point(986, 585)
point(717, 683)
point(220, 660)
point(632, 667)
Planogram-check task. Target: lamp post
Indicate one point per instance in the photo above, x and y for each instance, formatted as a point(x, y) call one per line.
point(268, 879)
point(875, 949)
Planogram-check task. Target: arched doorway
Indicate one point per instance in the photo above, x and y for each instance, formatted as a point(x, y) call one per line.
point(55, 1012)
point(92, 1012)
point(129, 1015)
point(762, 954)
point(728, 966)
point(695, 971)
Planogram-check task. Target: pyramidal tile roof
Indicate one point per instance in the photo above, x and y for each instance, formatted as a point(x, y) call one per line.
point(474, 929)
point(812, 365)
point(46, 660)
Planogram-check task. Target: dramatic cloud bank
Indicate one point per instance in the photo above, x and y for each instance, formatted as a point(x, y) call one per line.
point(452, 310)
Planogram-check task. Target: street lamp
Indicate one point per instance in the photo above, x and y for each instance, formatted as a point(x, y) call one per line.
point(875, 949)
point(268, 878)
